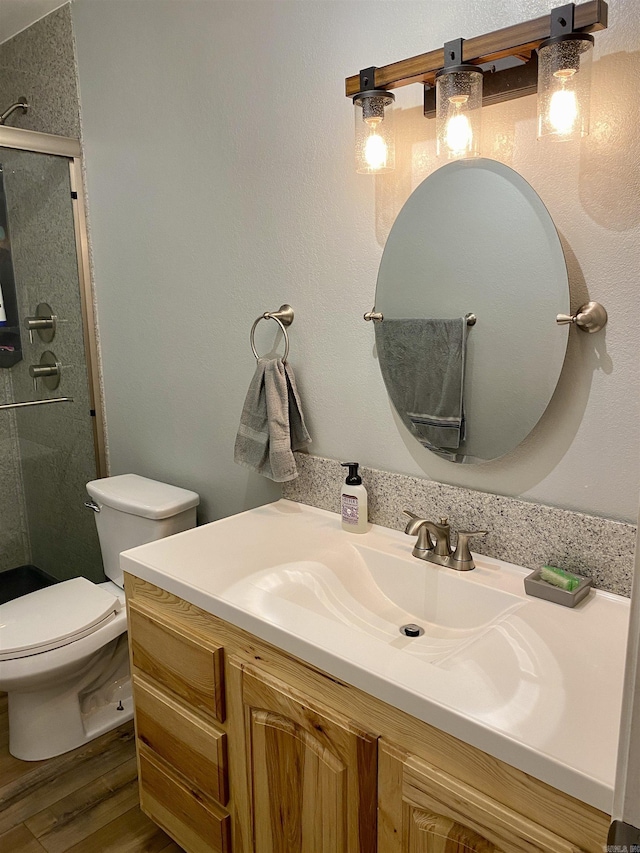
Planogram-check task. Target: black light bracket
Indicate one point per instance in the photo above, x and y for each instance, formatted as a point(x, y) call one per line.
point(453, 53)
point(562, 20)
point(453, 59)
point(367, 78)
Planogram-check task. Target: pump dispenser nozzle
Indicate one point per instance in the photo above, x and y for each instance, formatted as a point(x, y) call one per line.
point(353, 478)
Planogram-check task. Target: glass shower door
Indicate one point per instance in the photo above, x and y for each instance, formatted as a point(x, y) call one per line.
point(47, 452)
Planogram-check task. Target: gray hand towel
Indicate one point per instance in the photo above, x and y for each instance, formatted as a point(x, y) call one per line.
point(422, 363)
point(272, 424)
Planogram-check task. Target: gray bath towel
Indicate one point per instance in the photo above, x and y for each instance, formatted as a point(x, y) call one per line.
point(272, 424)
point(422, 363)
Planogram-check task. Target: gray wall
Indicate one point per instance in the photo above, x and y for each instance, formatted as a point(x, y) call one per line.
point(219, 150)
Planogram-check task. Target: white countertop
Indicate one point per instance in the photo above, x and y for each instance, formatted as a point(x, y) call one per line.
point(538, 686)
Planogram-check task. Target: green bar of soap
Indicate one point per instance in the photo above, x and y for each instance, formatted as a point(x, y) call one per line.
point(558, 577)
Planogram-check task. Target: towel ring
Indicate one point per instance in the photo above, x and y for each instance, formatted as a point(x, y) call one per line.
point(283, 317)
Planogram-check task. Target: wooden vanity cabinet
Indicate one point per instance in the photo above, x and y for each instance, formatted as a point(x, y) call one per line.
point(243, 748)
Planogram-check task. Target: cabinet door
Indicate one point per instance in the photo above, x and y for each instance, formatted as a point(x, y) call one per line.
point(303, 777)
point(422, 809)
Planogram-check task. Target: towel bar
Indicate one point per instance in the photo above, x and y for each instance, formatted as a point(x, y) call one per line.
point(29, 403)
point(378, 317)
point(283, 317)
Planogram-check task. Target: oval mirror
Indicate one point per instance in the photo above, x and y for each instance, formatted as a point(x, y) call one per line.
point(473, 238)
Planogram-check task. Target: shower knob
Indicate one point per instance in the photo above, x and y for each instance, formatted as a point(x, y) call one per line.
point(43, 322)
point(48, 370)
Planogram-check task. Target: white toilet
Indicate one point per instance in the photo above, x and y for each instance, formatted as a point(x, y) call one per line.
point(63, 650)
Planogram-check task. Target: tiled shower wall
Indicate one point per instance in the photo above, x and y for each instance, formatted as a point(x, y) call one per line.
point(48, 449)
point(520, 532)
point(39, 64)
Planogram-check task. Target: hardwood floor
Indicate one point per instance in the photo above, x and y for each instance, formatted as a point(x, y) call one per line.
point(83, 802)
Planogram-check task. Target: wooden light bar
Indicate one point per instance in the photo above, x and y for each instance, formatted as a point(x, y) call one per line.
point(519, 40)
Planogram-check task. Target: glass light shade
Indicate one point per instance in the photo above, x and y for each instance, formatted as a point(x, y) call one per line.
point(458, 112)
point(375, 132)
point(564, 86)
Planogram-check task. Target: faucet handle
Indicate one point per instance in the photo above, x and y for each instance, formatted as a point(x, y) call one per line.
point(418, 525)
point(412, 524)
point(461, 558)
point(410, 514)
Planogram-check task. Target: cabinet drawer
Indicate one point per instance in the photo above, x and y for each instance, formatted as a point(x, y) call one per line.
point(195, 823)
point(185, 664)
point(194, 747)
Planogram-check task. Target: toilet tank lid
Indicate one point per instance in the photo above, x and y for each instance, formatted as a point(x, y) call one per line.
point(141, 496)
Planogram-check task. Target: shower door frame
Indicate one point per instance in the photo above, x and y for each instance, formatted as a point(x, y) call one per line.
point(71, 149)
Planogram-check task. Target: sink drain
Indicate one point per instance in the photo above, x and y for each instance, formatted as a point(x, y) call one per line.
point(412, 630)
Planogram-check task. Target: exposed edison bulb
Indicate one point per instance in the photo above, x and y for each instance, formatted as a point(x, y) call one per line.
point(375, 151)
point(563, 107)
point(459, 133)
point(563, 110)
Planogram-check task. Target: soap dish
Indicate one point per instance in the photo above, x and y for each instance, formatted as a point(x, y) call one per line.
point(533, 585)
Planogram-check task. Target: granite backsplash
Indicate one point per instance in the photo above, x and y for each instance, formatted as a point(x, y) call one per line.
point(520, 532)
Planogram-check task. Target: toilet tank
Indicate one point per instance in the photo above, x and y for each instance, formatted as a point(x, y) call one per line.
point(133, 510)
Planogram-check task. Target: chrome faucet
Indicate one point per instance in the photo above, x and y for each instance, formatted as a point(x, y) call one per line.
point(440, 552)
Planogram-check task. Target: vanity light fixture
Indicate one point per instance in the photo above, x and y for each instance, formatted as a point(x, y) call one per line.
point(506, 63)
point(375, 133)
point(458, 105)
point(564, 78)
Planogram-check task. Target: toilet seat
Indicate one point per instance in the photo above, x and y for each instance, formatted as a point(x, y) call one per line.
point(53, 617)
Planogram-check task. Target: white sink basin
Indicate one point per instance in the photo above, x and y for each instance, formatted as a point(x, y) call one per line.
point(377, 593)
point(526, 680)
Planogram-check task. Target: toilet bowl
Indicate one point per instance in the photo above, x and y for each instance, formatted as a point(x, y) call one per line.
point(63, 649)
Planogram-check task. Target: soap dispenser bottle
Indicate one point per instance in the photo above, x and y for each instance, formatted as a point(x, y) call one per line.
point(353, 501)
